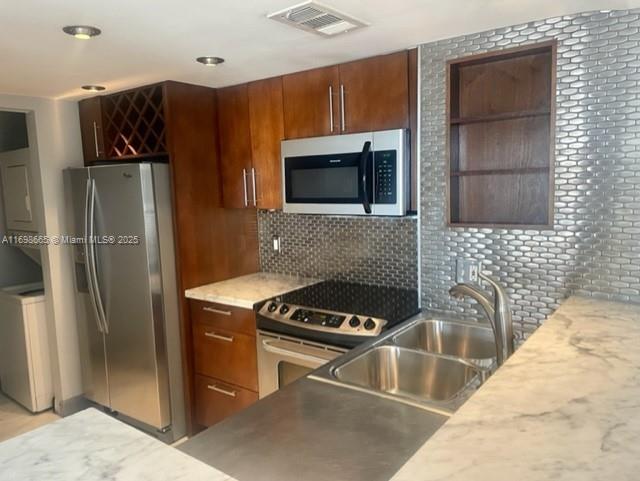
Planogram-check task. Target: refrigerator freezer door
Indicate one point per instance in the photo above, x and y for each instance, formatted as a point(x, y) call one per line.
point(91, 339)
point(129, 283)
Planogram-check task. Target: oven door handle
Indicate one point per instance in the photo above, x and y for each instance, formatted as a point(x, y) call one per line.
point(299, 351)
point(364, 155)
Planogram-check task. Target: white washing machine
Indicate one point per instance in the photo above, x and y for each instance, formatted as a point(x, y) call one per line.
point(25, 373)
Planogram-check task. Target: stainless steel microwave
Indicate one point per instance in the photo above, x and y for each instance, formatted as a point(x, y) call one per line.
point(352, 174)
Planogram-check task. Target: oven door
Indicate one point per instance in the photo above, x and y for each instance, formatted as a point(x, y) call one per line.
point(283, 359)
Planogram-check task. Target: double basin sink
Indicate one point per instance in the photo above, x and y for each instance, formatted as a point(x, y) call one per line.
point(432, 364)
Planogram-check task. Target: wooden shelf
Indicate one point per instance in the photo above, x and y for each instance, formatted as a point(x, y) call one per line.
point(498, 117)
point(523, 170)
point(134, 122)
point(501, 145)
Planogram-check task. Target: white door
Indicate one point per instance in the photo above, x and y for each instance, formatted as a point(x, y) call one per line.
point(16, 189)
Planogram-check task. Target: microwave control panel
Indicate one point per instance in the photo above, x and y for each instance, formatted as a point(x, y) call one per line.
point(385, 171)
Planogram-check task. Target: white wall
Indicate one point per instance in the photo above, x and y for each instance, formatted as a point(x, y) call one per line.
point(54, 133)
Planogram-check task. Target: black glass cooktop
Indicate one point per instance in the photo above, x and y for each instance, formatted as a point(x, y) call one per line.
point(390, 303)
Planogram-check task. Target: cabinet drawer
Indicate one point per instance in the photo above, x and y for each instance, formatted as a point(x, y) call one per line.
point(224, 355)
point(221, 316)
point(216, 400)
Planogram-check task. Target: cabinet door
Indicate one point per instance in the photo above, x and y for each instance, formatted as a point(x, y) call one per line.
point(311, 103)
point(374, 93)
point(16, 186)
point(235, 146)
point(267, 130)
point(216, 400)
point(90, 111)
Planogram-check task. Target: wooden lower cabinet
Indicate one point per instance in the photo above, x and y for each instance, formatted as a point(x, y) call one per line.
point(225, 355)
point(221, 316)
point(225, 366)
point(216, 400)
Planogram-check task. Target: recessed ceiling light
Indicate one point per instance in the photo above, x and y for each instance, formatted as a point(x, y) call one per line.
point(210, 61)
point(93, 88)
point(83, 32)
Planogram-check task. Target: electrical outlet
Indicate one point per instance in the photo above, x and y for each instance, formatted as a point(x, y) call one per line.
point(467, 270)
point(277, 245)
point(472, 270)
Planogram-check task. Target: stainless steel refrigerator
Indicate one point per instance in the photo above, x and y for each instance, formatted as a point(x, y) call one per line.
point(126, 295)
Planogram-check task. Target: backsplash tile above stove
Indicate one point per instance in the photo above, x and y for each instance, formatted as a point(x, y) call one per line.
point(371, 250)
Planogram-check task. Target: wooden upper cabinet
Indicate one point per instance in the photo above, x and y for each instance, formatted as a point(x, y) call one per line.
point(235, 146)
point(91, 129)
point(266, 118)
point(134, 123)
point(361, 96)
point(127, 125)
point(374, 93)
point(311, 103)
point(250, 127)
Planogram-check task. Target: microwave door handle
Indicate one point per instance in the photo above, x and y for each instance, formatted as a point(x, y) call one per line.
point(363, 176)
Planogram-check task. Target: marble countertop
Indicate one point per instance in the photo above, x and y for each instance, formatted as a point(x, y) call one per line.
point(565, 406)
point(93, 446)
point(246, 291)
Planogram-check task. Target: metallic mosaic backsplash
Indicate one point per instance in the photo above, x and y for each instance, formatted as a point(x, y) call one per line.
point(371, 250)
point(594, 247)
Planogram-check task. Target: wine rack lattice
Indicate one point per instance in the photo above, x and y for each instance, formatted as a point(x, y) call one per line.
point(134, 122)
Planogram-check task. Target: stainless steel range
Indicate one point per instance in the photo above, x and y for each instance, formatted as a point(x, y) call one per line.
point(304, 329)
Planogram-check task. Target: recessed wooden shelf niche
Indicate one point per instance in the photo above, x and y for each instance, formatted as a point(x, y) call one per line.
point(501, 109)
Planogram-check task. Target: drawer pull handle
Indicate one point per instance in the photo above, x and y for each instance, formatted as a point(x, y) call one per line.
point(216, 311)
point(215, 388)
point(220, 337)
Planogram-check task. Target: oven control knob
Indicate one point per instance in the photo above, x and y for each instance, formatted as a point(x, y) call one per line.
point(354, 321)
point(284, 309)
point(272, 307)
point(369, 324)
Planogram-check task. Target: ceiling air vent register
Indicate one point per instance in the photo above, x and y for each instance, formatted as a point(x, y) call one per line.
point(317, 18)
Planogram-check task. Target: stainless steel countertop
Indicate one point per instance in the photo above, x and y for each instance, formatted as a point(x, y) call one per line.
point(316, 431)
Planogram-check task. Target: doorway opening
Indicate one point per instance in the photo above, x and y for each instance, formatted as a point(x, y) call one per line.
point(26, 384)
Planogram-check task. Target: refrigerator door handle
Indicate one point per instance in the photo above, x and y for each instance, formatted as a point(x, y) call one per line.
point(91, 258)
point(87, 255)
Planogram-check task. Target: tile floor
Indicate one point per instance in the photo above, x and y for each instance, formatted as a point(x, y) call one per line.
point(15, 420)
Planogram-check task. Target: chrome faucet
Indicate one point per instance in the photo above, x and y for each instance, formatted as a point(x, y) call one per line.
point(497, 310)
